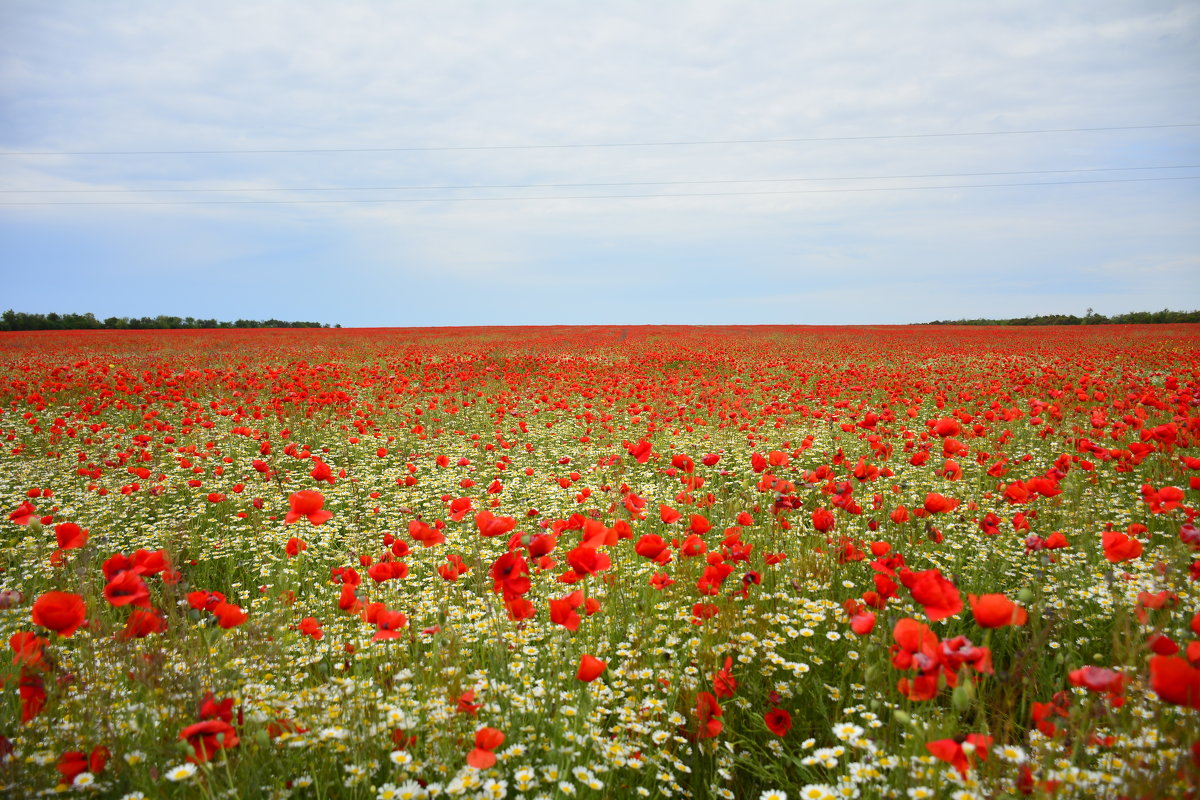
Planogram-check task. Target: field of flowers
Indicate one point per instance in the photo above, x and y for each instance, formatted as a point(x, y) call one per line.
point(601, 563)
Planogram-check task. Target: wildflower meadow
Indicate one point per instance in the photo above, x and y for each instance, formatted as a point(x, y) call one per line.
point(601, 562)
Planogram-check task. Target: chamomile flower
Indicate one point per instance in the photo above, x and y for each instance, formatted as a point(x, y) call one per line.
point(818, 791)
point(181, 772)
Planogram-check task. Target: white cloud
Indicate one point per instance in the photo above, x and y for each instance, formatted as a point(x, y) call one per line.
point(250, 75)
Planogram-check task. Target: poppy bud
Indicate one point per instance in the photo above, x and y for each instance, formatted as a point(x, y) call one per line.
point(960, 698)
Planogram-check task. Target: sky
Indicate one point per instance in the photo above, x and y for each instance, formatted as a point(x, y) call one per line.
point(379, 164)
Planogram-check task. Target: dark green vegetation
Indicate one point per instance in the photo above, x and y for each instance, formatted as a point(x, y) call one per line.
point(1090, 318)
point(24, 321)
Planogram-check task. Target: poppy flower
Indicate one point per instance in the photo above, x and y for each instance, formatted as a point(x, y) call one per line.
point(204, 601)
point(459, 508)
point(668, 514)
point(510, 574)
point(229, 615)
point(588, 560)
point(961, 754)
point(23, 514)
point(307, 503)
point(491, 525)
point(1118, 547)
point(309, 626)
point(823, 520)
point(640, 451)
point(388, 624)
point(996, 611)
point(929, 588)
point(1175, 681)
point(708, 714)
point(28, 649)
point(61, 612)
point(590, 668)
point(426, 535)
point(939, 504)
point(562, 610)
point(32, 691)
point(207, 737)
point(70, 536)
point(862, 624)
point(74, 763)
point(779, 721)
point(724, 684)
point(142, 623)
point(321, 472)
point(1100, 680)
point(127, 588)
point(486, 740)
point(661, 580)
point(652, 546)
point(295, 547)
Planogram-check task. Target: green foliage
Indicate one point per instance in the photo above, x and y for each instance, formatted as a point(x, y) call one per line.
point(1165, 316)
point(25, 321)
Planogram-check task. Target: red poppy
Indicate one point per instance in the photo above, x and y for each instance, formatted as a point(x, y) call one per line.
point(961, 754)
point(32, 691)
point(938, 504)
point(661, 580)
point(640, 451)
point(996, 611)
point(510, 574)
point(779, 721)
point(653, 547)
point(321, 471)
point(929, 588)
point(307, 503)
point(28, 649)
point(708, 713)
point(823, 520)
point(562, 610)
point(295, 547)
point(142, 623)
point(862, 624)
point(426, 535)
point(1100, 680)
point(70, 536)
point(24, 513)
point(1118, 547)
point(668, 514)
point(459, 508)
point(207, 737)
point(1175, 681)
point(590, 668)
point(724, 684)
point(486, 740)
point(61, 612)
point(127, 588)
point(388, 625)
point(588, 560)
point(73, 763)
point(204, 601)
point(229, 615)
point(309, 626)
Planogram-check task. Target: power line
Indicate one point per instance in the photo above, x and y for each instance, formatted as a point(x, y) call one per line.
point(593, 196)
point(681, 143)
point(235, 190)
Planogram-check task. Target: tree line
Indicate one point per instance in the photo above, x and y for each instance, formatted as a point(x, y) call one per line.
point(24, 321)
point(1090, 318)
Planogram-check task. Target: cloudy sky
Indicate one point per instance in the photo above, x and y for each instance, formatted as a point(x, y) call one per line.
point(470, 163)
